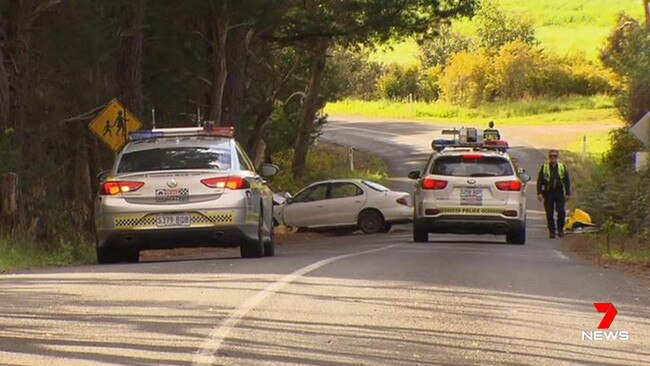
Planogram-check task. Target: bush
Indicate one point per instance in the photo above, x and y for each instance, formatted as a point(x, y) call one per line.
point(398, 82)
point(465, 81)
point(429, 84)
point(351, 74)
point(515, 67)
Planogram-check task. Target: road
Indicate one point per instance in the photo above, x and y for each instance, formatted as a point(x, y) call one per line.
point(352, 300)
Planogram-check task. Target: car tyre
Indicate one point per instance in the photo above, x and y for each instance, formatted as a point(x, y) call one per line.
point(132, 256)
point(371, 221)
point(269, 244)
point(107, 255)
point(516, 236)
point(420, 231)
point(386, 228)
point(253, 248)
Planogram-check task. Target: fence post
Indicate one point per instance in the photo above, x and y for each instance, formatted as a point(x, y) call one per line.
point(351, 156)
point(584, 146)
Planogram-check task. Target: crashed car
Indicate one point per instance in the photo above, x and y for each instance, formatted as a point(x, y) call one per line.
point(345, 204)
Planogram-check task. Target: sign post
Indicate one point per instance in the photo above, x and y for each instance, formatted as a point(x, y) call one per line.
point(113, 125)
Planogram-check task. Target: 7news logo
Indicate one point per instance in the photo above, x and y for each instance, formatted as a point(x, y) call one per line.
point(600, 335)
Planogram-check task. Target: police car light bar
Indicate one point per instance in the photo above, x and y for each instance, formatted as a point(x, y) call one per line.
point(467, 137)
point(208, 130)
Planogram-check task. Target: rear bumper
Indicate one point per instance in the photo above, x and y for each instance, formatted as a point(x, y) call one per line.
point(216, 236)
point(497, 225)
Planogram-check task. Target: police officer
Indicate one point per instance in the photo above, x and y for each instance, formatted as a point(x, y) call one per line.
point(553, 186)
point(491, 133)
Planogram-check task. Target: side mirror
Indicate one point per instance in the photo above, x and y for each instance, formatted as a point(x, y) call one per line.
point(101, 177)
point(268, 170)
point(289, 200)
point(414, 174)
point(525, 177)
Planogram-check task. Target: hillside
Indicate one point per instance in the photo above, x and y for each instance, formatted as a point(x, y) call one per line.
point(560, 25)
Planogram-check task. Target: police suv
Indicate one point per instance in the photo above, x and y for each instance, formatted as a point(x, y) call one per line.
point(469, 186)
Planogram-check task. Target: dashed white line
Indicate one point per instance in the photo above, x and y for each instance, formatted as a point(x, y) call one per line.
point(210, 346)
point(561, 255)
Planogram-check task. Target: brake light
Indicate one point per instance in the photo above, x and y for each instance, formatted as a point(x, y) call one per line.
point(430, 183)
point(403, 201)
point(472, 156)
point(114, 187)
point(510, 185)
point(234, 182)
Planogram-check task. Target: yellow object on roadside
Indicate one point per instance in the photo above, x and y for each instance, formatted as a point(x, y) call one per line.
point(578, 217)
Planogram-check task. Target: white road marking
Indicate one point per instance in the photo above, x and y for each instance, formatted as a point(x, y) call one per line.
point(210, 347)
point(561, 255)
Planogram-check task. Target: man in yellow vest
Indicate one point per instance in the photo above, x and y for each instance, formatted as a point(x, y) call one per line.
point(491, 133)
point(553, 186)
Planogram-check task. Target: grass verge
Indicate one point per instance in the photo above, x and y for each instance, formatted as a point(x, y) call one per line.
point(20, 254)
point(570, 110)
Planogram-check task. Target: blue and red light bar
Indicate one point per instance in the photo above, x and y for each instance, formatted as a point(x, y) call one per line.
point(208, 130)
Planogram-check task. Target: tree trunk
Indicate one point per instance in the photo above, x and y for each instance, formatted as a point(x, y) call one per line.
point(4, 87)
point(308, 117)
point(236, 63)
point(10, 209)
point(219, 66)
point(260, 130)
point(129, 56)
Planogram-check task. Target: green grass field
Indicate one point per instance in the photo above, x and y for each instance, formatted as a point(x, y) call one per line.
point(561, 26)
point(570, 110)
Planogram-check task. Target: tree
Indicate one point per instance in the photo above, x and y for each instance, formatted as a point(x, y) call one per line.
point(495, 28)
point(626, 53)
point(318, 24)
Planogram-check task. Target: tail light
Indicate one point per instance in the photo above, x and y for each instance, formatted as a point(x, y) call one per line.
point(234, 182)
point(509, 185)
point(430, 183)
point(472, 156)
point(114, 187)
point(403, 201)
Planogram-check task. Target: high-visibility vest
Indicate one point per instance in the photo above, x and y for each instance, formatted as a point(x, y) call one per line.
point(546, 172)
point(491, 134)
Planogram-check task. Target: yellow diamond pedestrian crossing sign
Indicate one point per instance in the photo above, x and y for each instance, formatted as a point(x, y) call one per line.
point(113, 125)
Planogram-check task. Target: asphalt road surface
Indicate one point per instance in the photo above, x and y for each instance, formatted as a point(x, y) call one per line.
point(348, 300)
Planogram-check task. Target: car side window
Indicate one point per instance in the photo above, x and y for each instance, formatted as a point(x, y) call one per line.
point(315, 193)
point(343, 190)
point(244, 161)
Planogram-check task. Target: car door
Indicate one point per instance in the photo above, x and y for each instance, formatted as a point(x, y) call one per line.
point(306, 209)
point(344, 202)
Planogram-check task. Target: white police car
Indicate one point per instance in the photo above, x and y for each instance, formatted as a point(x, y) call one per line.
point(469, 187)
point(183, 187)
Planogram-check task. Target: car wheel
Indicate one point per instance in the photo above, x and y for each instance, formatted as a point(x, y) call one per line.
point(370, 221)
point(516, 236)
point(132, 256)
point(386, 228)
point(253, 248)
point(107, 255)
point(420, 231)
point(269, 245)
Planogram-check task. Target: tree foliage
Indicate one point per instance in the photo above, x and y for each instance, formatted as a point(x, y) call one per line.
point(496, 28)
point(627, 53)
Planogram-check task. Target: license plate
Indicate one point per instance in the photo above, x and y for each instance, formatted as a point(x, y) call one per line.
point(173, 220)
point(177, 195)
point(471, 197)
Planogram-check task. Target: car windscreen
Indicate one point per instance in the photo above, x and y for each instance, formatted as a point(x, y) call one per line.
point(377, 187)
point(175, 158)
point(474, 166)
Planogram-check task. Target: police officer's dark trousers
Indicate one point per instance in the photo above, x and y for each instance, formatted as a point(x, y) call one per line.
point(554, 203)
